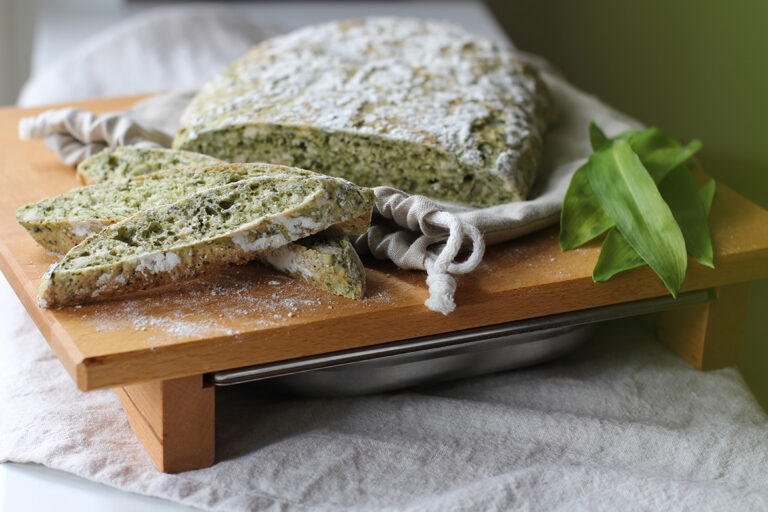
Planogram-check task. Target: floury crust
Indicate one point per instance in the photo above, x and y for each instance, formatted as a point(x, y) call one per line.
point(419, 105)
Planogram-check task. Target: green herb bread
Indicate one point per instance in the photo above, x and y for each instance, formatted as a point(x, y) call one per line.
point(59, 223)
point(228, 224)
point(128, 161)
point(326, 262)
point(419, 105)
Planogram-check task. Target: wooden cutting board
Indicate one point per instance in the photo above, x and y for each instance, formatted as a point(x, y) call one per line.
point(252, 315)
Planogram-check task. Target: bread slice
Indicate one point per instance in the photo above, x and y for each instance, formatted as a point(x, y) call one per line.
point(420, 105)
point(61, 222)
point(129, 161)
point(218, 226)
point(324, 261)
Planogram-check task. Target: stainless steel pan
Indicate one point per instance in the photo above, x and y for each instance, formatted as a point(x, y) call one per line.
point(446, 356)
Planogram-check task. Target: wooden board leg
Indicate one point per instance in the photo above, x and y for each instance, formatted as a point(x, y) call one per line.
point(708, 335)
point(174, 420)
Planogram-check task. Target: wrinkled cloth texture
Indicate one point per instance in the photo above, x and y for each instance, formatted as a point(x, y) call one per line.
point(620, 424)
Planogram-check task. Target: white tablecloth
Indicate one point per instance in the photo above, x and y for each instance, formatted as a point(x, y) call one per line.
point(621, 424)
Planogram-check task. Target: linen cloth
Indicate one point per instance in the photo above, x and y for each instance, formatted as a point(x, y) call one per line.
point(413, 231)
point(620, 424)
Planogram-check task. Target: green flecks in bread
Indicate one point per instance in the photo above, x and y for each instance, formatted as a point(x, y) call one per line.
point(59, 223)
point(129, 161)
point(231, 223)
point(326, 262)
point(415, 168)
point(420, 105)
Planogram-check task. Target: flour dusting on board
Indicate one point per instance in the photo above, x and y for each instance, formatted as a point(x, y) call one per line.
point(242, 298)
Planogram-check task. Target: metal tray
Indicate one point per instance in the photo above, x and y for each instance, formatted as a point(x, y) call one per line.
point(446, 356)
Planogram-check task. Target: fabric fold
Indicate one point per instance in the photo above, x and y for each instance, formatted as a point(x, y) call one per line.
point(75, 134)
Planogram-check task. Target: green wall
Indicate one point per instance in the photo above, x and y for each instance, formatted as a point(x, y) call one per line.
point(698, 69)
point(694, 68)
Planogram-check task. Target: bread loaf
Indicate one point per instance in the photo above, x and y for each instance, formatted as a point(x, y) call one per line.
point(419, 105)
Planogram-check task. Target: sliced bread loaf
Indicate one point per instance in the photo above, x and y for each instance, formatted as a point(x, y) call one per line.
point(420, 105)
point(323, 261)
point(218, 226)
point(128, 161)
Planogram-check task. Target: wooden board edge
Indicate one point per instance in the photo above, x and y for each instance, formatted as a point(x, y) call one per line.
point(107, 371)
point(110, 371)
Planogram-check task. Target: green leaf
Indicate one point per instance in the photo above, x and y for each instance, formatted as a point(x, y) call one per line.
point(707, 194)
point(581, 217)
point(661, 161)
point(597, 138)
point(616, 255)
point(679, 192)
point(649, 140)
point(631, 199)
point(659, 151)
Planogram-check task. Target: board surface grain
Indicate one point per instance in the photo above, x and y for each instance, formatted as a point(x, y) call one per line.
point(250, 314)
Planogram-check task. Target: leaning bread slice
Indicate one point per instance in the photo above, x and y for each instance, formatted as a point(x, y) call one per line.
point(213, 228)
point(324, 261)
point(59, 223)
point(128, 161)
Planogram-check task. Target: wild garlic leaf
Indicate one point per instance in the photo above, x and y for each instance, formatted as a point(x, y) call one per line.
point(581, 216)
point(616, 255)
point(659, 151)
point(661, 161)
point(597, 138)
point(648, 140)
point(629, 196)
point(707, 194)
point(680, 193)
